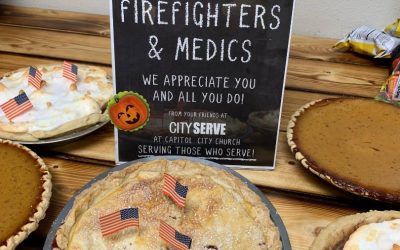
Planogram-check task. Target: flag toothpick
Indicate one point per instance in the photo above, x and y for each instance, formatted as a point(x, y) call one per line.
point(119, 220)
point(35, 77)
point(70, 71)
point(176, 191)
point(173, 237)
point(16, 106)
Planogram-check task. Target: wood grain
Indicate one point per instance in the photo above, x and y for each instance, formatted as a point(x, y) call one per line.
point(327, 77)
point(321, 49)
point(61, 45)
point(305, 75)
point(57, 20)
point(309, 48)
point(67, 177)
point(10, 62)
point(304, 218)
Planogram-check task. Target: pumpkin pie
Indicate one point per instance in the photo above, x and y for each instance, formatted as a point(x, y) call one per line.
point(378, 230)
point(220, 211)
point(25, 190)
point(350, 142)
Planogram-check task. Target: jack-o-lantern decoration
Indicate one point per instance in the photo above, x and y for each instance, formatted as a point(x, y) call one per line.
point(128, 111)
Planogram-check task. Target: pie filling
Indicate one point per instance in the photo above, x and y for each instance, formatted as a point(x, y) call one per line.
point(373, 230)
point(352, 141)
point(21, 189)
point(379, 236)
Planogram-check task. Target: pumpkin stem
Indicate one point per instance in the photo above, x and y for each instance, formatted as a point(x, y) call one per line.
point(116, 99)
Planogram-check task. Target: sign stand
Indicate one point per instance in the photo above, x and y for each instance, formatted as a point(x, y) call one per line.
point(212, 73)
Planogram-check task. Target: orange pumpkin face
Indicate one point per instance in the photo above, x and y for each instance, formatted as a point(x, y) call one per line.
point(128, 112)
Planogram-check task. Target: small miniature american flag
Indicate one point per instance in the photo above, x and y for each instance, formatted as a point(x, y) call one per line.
point(176, 191)
point(70, 71)
point(35, 77)
point(16, 106)
point(114, 222)
point(173, 237)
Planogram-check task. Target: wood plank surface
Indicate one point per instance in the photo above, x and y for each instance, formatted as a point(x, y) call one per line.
point(321, 49)
point(310, 48)
point(288, 175)
point(67, 178)
point(30, 36)
point(328, 77)
point(54, 44)
point(57, 20)
point(305, 75)
point(10, 62)
point(304, 218)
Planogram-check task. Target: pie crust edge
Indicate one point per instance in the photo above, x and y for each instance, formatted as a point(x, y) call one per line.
point(323, 173)
point(67, 127)
point(86, 197)
point(340, 230)
point(33, 221)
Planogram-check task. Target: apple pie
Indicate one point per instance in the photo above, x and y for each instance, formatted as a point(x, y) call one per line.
point(221, 212)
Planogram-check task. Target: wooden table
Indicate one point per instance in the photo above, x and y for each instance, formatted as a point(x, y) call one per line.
point(306, 204)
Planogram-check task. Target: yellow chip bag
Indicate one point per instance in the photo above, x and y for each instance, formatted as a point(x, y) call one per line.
point(369, 41)
point(390, 91)
point(394, 28)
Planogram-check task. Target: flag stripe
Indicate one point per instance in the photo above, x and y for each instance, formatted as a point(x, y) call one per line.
point(169, 189)
point(111, 221)
point(16, 106)
point(35, 77)
point(179, 201)
point(119, 227)
point(21, 108)
point(68, 71)
point(128, 222)
point(119, 220)
point(167, 233)
point(176, 198)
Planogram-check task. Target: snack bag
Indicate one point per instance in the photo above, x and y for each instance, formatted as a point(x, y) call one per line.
point(394, 28)
point(369, 41)
point(390, 91)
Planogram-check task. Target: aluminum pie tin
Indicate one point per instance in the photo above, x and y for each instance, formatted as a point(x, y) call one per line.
point(273, 213)
point(65, 138)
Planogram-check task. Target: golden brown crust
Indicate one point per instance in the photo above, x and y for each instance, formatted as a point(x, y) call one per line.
point(41, 208)
point(202, 210)
point(327, 174)
point(337, 233)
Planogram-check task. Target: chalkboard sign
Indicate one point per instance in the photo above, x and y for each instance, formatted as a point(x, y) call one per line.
point(212, 73)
